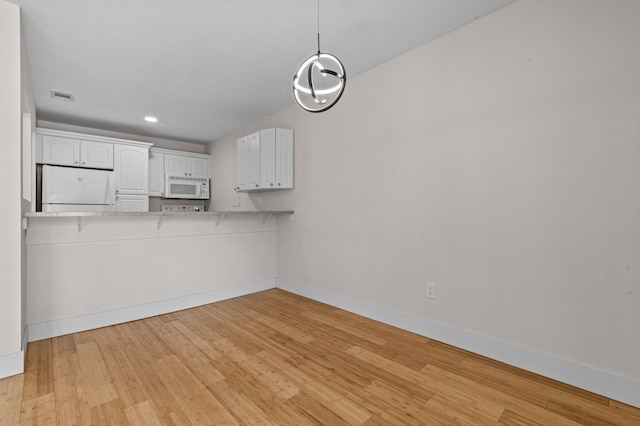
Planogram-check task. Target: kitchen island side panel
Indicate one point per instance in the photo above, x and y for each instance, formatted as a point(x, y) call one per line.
point(80, 268)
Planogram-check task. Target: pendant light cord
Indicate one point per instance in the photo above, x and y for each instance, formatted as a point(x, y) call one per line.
point(318, 27)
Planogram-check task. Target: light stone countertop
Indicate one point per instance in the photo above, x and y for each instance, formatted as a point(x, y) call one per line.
point(34, 215)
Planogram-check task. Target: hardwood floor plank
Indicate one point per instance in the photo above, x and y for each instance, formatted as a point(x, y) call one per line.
point(514, 419)
point(390, 366)
point(472, 411)
point(109, 413)
point(451, 384)
point(395, 405)
point(72, 406)
point(197, 361)
point(588, 413)
point(240, 406)
point(141, 361)
point(273, 358)
point(244, 384)
point(40, 410)
point(38, 370)
point(196, 402)
point(143, 414)
point(625, 409)
point(11, 390)
point(38, 399)
point(346, 327)
point(331, 398)
point(314, 411)
point(95, 374)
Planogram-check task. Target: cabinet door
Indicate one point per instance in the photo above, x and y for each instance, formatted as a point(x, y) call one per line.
point(198, 167)
point(132, 203)
point(97, 155)
point(175, 165)
point(248, 162)
point(267, 158)
point(60, 151)
point(253, 148)
point(242, 164)
point(284, 158)
point(156, 174)
point(131, 166)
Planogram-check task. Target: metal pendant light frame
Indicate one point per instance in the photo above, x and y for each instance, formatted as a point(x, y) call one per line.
point(309, 97)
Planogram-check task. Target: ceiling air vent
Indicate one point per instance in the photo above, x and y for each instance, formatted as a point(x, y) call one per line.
point(62, 96)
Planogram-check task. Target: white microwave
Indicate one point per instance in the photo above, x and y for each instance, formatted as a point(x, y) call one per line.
point(186, 187)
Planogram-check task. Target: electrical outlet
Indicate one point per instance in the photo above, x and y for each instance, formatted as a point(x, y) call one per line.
point(431, 290)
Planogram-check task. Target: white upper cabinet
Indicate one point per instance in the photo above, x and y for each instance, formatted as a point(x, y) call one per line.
point(156, 173)
point(131, 166)
point(284, 159)
point(264, 160)
point(69, 151)
point(175, 165)
point(186, 165)
point(98, 155)
point(248, 162)
point(268, 158)
point(169, 162)
point(198, 167)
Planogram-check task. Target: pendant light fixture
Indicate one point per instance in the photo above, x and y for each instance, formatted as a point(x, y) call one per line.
point(320, 80)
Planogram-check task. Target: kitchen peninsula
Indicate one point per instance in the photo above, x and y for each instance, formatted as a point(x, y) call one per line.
point(94, 269)
point(128, 261)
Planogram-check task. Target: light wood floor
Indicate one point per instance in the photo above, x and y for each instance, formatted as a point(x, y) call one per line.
point(276, 358)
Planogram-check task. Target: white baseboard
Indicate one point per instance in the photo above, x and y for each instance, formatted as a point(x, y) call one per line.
point(60, 327)
point(601, 382)
point(13, 363)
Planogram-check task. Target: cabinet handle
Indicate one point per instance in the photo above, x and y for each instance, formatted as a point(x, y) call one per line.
point(84, 162)
point(271, 184)
point(75, 162)
point(257, 185)
point(279, 184)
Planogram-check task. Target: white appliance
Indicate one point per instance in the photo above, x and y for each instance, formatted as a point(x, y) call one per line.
point(186, 187)
point(72, 189)
point(173, 208)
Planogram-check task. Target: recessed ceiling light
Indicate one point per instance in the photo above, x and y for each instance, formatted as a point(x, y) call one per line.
point(150, 119)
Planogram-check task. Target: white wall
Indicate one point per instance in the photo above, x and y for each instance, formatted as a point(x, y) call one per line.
point(28, 127)
point(10, 175)
point(500, 162)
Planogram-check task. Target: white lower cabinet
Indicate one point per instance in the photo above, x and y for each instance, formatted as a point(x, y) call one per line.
point(132, 203)
point(264, 160)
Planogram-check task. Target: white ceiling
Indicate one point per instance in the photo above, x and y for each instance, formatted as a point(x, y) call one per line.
point(206, 68)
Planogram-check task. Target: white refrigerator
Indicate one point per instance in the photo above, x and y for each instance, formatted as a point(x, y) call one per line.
point(71, 189)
